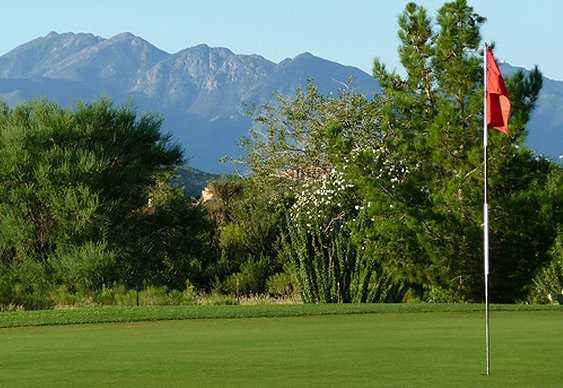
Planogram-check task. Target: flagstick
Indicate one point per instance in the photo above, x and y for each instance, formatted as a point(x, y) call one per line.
point(486, 220)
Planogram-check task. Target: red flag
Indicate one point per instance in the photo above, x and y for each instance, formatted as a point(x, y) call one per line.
point(498, 104)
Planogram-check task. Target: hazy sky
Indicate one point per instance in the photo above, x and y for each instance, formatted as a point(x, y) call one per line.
point(527, 32)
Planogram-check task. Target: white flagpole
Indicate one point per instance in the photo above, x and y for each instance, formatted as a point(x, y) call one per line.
point(486, 220)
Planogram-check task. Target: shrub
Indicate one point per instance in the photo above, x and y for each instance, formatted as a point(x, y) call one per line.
point(85, 267)
point(189, 295)
point(442, 295)
point(105, 295)
point(119, 295)
point(126, 297)
point(250, 280)
point(25, 284)
point(280, 284)
point(154, 296)
point(62, 297)
point(284, 283)
point(547, 285)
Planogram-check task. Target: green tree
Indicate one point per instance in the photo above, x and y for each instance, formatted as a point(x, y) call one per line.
point(412, 157)
point(87, 195)
point(250, 218)
point(433, 123)
point(303, 147)
point(169, 241)
point(547, 286)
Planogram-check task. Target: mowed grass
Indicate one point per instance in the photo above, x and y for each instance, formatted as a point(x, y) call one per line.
point(159, 313)
point(410, 349)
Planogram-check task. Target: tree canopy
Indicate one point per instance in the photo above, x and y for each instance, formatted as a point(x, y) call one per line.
point(410, 162)
point(85, 196)
point(348, 198)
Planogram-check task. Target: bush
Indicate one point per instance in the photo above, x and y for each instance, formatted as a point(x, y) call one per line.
point(250, 280)
point(126, 297)
point(85, 267)
point(106, 295)
point(280, 284)
point(547, 285)
point(150, 296)
point(62, 297)
point(442, 295)
point(24, 285)
point(189, 295)
point(284, 283)
point(154, 296)
point(161, 296)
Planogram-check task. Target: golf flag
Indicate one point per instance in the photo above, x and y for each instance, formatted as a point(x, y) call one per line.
point(498, 104)
point(496, 111)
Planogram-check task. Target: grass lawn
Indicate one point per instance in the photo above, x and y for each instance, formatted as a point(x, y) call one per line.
point(393, 348)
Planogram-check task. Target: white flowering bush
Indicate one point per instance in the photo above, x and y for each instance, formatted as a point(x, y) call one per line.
point(374, 160)
point(324, 243)
point(325, 202)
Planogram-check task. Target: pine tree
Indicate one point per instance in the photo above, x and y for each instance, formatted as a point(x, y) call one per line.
point(434, 116)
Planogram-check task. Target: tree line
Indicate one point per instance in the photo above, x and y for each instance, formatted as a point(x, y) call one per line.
point(348, 199)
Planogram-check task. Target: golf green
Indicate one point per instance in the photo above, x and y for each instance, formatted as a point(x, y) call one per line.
point(387, 349)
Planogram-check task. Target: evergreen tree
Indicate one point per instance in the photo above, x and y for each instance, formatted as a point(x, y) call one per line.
point(86, 195)
point(412, 158)
point(433, 117)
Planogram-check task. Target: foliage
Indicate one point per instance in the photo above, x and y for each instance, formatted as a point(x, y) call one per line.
point(547, 285)
point(284, 283)
point(292, 150)
point(85, 267)
point(24, 285)
point(218, 299)
point(249, 217)
point(87, 199)
point(250, 279)
point(170, 241)
point(432, 119)
point(331, 269)
point(114, 295)
point(391, 188)
point(349, 199)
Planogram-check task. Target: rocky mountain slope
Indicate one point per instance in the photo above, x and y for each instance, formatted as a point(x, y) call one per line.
point(202, 92)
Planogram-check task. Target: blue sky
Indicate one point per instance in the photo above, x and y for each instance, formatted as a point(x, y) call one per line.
point(527, 32)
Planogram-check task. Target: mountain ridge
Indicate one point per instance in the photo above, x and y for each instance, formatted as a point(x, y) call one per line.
point(201, 91)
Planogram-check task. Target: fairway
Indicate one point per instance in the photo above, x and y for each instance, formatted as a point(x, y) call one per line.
point(388, 349)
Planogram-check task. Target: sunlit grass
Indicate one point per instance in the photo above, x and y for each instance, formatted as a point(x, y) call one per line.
point(397, 346)
point(156, 313)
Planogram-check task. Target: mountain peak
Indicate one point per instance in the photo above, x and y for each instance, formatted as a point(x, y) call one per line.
point(305, 55)
point(36, 57)
point(124, 35)
point(202, 47)
point(133, 39)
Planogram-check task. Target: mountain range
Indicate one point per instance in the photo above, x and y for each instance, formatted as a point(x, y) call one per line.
point(202, 92)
